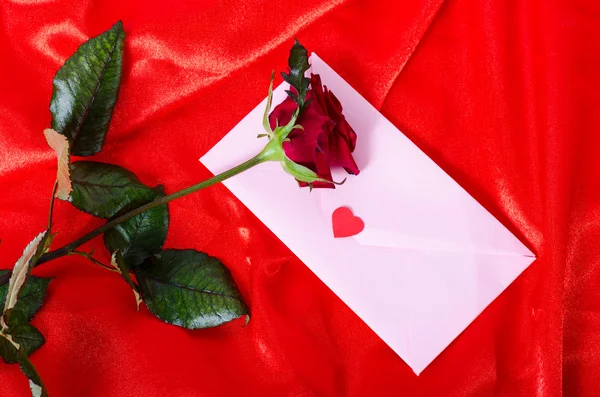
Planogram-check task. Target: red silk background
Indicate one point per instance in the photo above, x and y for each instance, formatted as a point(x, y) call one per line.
point(503, 95)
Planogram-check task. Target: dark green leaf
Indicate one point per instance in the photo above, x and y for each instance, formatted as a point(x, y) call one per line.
point(141, 236)
point(35, 381)
point(104, 189)
point(20, 273)
point(25, 334)
point(123, 268)
point(8, 351)
point(190, 289)
point(119, 263)
point(109, 191)
point(85, 90)
point(292, 95)
point(31, 297)
point(298, 65)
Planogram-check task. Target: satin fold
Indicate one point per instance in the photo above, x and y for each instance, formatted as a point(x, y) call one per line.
point(502, 95)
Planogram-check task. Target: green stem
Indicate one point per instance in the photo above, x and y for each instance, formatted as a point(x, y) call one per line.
point(52, 206)
point(71, 247)
point(95, 261)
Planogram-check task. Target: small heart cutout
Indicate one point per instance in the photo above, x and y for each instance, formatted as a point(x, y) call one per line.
point(345, 223)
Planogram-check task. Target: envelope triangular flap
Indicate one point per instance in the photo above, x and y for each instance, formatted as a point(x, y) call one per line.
point(448, 291)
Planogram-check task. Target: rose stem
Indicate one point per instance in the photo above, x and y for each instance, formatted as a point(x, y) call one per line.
point(70, 248)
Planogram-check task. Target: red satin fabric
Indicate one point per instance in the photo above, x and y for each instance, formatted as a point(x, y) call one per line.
point(503, 95)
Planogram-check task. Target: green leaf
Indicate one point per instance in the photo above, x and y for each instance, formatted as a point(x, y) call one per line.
point(190, 289)
point(119, 263)
point(298, 65)
point(22, 297)
point(85, 90)
point(104, 189)
point(35, 381)
point(20, 273)
point(26, 335)
point(108, 191)
point(141, 236)
point(31, 297)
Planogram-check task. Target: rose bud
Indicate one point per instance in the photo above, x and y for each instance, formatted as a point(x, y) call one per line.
point(325, 139)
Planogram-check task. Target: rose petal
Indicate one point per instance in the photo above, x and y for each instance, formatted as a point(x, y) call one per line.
point(342, 127)
point(334, 107)
point(317, 90)
point(340, 154)
point(303, 143)
point(282, 114)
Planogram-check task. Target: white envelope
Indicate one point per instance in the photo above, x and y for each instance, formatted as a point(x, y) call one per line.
point(430, 257)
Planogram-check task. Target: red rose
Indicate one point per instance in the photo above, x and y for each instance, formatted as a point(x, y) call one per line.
point(326, 139)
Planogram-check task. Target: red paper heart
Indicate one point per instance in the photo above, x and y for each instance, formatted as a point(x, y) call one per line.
point(345, 223)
